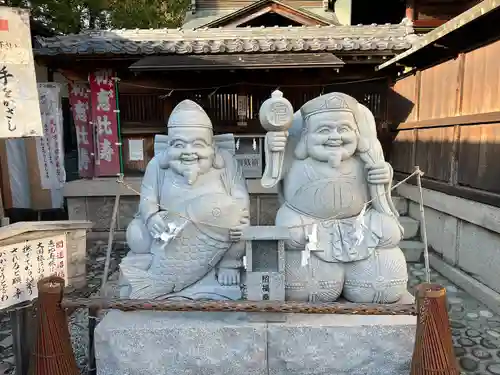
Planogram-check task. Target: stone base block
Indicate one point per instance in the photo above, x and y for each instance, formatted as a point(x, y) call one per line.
point(165, 343)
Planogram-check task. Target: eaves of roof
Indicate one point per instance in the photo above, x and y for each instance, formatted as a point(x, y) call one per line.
point(231, 40)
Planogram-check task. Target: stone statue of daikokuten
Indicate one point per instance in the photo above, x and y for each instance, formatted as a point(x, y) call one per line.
point(332, 165)
point(185, 239)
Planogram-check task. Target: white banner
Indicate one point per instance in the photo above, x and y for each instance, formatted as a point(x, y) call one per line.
point(49, 148)
point(19, 107)
point(23, 264)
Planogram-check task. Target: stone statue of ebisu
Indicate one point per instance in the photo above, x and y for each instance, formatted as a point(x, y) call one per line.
point(194, 205)
point(332, 164)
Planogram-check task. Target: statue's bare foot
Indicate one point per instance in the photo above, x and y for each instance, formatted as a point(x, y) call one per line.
point(228, 276)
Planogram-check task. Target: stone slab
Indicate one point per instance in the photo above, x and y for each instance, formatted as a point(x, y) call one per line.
point(411, 227)
point(401, 204)
point(472, 286)
point(190, 343)
point(169, 343)
point(412, 250)
point(341, 344)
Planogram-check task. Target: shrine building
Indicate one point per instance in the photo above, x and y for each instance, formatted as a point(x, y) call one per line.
point(229, 56)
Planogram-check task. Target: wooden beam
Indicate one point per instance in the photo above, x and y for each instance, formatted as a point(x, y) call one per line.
point(457, 191)
point(249, 17)
point(430, 23)
point(481, 118)
point(296, 16)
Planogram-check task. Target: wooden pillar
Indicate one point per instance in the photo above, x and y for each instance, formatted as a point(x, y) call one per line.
point(410, 10)
point(22, 334)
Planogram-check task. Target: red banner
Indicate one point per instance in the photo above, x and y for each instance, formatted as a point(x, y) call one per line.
point(104, 119)
point(79, 99)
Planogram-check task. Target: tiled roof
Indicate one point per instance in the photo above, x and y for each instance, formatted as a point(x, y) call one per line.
point(231, 40)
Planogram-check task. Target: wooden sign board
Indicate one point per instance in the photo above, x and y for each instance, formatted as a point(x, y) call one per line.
point(22, 264)
point(20, 109)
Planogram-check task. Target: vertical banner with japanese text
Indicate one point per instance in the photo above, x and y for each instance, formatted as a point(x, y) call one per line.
point(50, 146)
point(104, 119)
point(23, 264)
point(79, 98)
point(19, 107)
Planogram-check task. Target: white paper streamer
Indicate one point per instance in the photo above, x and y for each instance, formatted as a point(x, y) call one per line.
point(359, 225)
point(171, 233)
point(311, 245)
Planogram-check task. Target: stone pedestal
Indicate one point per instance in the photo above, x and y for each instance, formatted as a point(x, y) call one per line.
point(159, 343)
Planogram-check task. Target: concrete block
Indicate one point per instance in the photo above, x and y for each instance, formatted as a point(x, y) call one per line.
point(77, 208)
point(412, 250)
point(479, 254)
point(410, 226)
point(152, 343)
point(126, 211)
point(268, 209)
point(441, 231)
point(100, 212)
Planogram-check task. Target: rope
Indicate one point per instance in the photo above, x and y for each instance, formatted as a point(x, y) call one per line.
point(128, 186)
point(241, 306)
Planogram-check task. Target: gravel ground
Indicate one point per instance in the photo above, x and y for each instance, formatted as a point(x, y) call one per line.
point(475, 329)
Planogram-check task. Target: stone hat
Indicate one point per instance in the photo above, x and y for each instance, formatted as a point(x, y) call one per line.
point(188, 114)
point(334, 101)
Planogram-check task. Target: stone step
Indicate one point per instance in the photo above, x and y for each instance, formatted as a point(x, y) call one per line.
point(412, 250)
point(411, 227)
point(401, 204)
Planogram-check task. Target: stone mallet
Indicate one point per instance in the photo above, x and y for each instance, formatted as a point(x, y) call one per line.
point(275, 115)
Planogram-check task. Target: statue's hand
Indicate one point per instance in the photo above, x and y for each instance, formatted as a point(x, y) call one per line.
point(277, 141)
point(236, 232)
point(228, 276)
point(156, 225)
point(379, 173)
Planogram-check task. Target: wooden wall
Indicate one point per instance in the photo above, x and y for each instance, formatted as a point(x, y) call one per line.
point(145, 113)
point(449, 125)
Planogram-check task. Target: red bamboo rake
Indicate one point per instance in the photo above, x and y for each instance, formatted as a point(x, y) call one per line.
point(52, 352)
point(433, 353)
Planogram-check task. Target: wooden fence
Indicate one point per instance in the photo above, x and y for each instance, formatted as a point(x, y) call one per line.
point(449, 125)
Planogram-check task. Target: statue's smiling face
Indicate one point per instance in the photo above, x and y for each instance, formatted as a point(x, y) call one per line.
point(331, 136)
point(191, 151)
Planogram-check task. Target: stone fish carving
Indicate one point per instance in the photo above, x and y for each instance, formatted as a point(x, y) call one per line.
point(333, 164)
point(185, 239)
